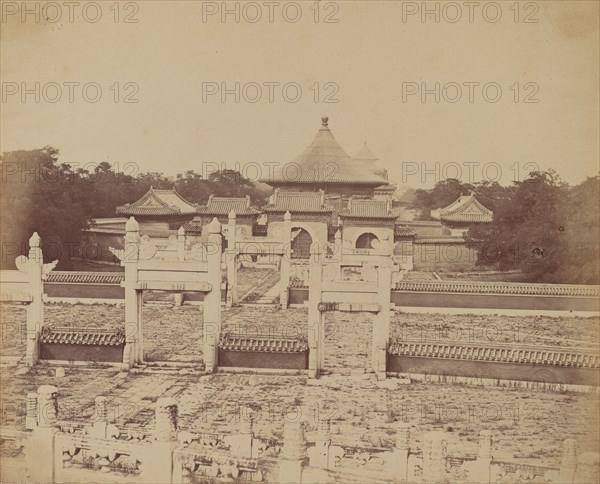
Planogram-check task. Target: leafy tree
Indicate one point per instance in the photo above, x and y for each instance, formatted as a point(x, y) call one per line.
point(580, 257)
point(527, 232)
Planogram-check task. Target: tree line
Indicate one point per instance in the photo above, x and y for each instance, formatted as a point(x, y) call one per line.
point(542, 226)
point(40, 194)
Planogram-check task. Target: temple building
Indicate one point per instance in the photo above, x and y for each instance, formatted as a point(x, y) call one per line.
point(328, 195)
point(324, 165)
point(463, 212)
point(159, 210)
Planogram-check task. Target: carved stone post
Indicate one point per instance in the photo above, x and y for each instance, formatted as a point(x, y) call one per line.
point(47, 406)
point(481, 468)
point(434, 457)
point(568, 464)
point(315, 317)
point(231, 260)
point(293, 455)
point(157, 465)
point(39, 449)
point(31, 415)
point(286, 260)
point(244, 441)
point(181, 244)
point(402, 451)
point(133, 352)
point(381, 320)
point(212, 300)
point(100, 418)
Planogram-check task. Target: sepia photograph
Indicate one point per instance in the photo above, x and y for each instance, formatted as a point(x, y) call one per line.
point(300, 242)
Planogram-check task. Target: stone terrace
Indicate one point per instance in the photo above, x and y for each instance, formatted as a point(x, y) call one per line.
point(529, 424)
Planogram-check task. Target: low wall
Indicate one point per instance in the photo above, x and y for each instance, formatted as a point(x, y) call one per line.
point(495, 301)
point(499, 295)
point(67, 344)
point(72, 352)
point(439, 299)
point(251, 359)
point(505, 362)
point(483, 369)
point(88, 291)
point(236, 350)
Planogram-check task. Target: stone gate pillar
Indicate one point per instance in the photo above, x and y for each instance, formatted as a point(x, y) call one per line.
point(33, 266)
point(231, 261)
point(315, 317)
point(133, 352)
point(286, 260)
point(381, 320)
point(212, 301)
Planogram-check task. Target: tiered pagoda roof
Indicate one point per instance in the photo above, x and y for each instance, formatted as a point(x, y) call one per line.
point(158, 202)
point(466, 209)
point(367, 160)
point(369, 209)
point(224, 205)
point(297, 202)
point(324, 161)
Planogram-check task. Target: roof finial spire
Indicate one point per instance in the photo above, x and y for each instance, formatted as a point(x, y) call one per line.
point(325, 121)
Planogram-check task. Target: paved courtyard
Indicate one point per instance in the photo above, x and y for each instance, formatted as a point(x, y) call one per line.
point(528, 425)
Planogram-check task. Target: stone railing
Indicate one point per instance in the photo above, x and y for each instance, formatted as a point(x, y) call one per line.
point(500, 288)
point(101, 452)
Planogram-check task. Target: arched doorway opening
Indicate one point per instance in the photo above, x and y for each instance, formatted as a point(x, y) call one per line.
point(301, 242)
point(367, 241)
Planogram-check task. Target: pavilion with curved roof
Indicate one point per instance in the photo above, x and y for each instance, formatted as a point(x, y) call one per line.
point(324, 165)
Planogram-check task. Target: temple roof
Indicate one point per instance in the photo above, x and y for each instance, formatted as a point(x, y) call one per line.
point(366, 208)
point(303, 202)
point(158, 202)
point(404, 231)
point(365, 154)
point(324, 161)
point(224, 205)
point(465, 209)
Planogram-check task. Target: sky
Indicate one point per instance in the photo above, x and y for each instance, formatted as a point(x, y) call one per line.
point(140, 84)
